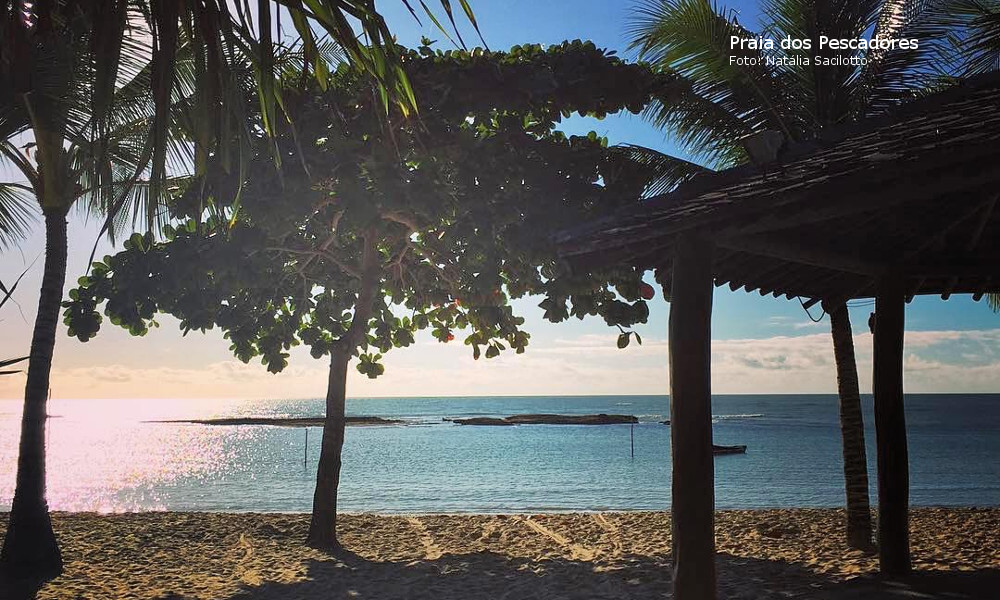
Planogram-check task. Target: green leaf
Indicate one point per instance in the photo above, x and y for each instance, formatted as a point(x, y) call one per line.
point(623, 340)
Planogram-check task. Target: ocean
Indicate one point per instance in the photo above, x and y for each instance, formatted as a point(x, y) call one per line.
point(105, 455)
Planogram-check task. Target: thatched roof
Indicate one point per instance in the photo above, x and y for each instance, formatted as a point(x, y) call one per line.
point(915, 191)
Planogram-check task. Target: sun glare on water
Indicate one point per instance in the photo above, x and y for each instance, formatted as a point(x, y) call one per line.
point(104, 455)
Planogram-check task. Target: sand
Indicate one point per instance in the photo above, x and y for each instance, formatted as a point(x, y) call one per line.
point(762, 554)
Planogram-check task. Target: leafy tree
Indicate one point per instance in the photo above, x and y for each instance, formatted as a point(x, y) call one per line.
point(725, 102)
point(379, 227)
point(63, 65)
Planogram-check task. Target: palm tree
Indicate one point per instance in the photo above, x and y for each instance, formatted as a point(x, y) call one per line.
point(725, 102)
point(71, 75)
point(73, 157)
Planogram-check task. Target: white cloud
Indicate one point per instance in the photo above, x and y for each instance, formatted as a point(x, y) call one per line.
point(935, 361)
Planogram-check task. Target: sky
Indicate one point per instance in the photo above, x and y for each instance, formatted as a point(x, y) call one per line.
point(760, 345)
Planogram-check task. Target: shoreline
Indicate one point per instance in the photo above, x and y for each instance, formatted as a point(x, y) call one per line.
point(5, 512)
point(796, 553)
point(359, 421)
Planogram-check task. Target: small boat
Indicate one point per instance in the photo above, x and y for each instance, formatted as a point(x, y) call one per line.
point(729, 449)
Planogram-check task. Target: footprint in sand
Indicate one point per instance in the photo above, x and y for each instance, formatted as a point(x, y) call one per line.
point(614, 533)
point(242, 571)
point(490, 531)
point(431, 550)
point(576, 551)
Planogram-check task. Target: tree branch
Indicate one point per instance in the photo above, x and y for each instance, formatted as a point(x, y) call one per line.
point(403, 219)
point(349, 269)
point(366, 294)
point(329, 240)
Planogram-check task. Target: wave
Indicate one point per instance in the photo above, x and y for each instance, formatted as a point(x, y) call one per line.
point(747, 416)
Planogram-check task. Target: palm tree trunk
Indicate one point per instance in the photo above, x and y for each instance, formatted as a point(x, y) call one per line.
point(30, 549)
point(852, 430)
point(323, 525)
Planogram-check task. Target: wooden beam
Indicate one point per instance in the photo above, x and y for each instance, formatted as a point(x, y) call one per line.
point(915, 288)
point(932, 242)
point(981, 291)
point(824, 209)
point(890, 429)
point(693, 486)
point(953, 267)
point(973, 241)
point(928, 176)
point(977, 233)
point(800, 254)
point(926, 179)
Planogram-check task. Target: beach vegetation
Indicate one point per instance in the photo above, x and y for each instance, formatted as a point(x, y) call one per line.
point(376, 226)
point(71, 73)
point(69, 152)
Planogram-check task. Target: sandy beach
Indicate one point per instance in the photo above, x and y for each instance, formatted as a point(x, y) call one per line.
point(795, 553)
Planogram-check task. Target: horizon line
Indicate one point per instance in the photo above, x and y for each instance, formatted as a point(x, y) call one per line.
point(511, 396)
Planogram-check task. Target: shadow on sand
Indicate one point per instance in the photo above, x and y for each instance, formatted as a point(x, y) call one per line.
point(18, 588)
point(487, 575)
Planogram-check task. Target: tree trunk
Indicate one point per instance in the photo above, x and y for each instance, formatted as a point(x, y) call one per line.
point(30, 549)
point(323, 525)
point(852, 430)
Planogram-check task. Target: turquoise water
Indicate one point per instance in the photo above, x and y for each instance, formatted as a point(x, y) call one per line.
point(104, 456)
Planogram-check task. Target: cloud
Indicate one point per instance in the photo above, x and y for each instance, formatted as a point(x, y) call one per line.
point(935, 361)
point(794, 323)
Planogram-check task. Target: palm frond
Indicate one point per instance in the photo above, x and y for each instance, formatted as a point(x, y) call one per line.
point(993, 301)
point(653, 172)
point(19, 160)
point(17, 212)
point(8, 292)
point(692, 38)
point(977, 35)
point(705, 128)
point(898, 75)
point(820, 97)
point(12, 361)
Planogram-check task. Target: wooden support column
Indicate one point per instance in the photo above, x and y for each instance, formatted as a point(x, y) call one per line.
point(693, 487)
point(890, 429)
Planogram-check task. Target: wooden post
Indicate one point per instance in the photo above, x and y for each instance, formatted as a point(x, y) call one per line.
point(890, 429)
point(631, 438)
point(693, 488)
